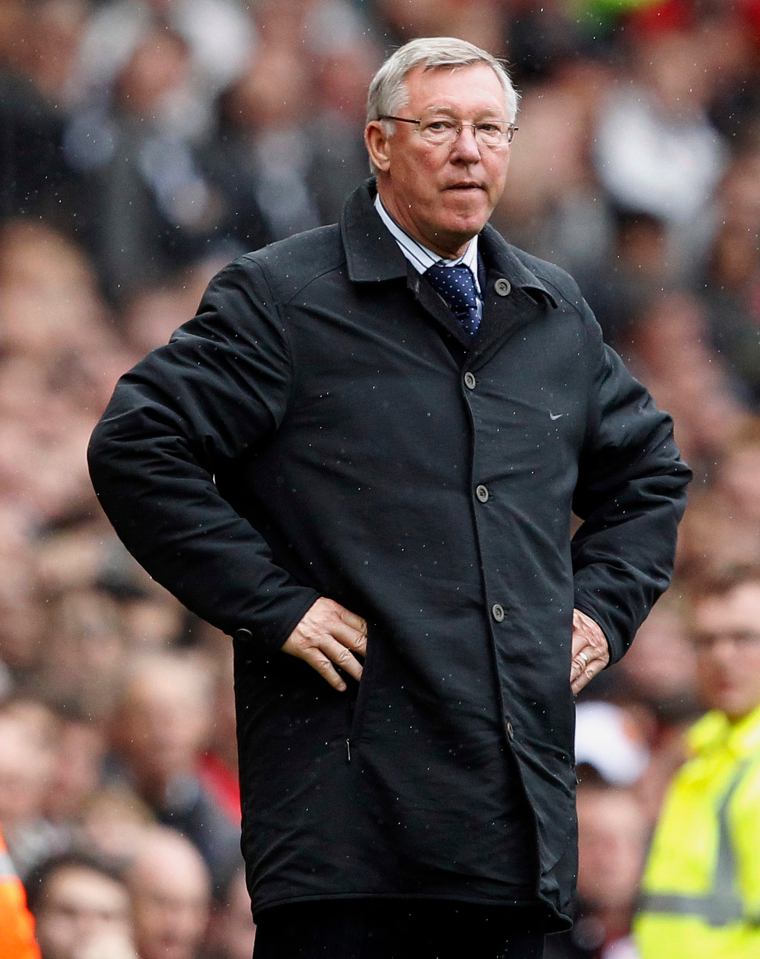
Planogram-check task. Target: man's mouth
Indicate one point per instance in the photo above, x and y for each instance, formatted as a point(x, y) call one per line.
point(465, 185)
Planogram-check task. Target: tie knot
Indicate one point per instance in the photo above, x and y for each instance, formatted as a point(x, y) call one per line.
point(456, 285)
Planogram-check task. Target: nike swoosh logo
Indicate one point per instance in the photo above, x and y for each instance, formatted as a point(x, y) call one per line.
point(556, 416)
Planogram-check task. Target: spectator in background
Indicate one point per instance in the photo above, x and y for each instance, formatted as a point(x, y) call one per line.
point(723, 526)
point(668, 347)
point(473, 21)
point(660, 670)
point(231, 932)
point(153, 206)
point(82, 908)
point(218, 766)
point(85, 638)
point(555, 203)
point(111, 822)
point(345, 61)
point(57, 355)
point(701, 888)
point(655, 148)
point(219, 36)
point(728, 276)
point(269, 158)
point(633, 269)
point(37, 43)
point(22, 615)
point(171, 889)
point(160, 727)
point(28, 741)
point(612, 839)
point(289, 145)
point(78, 757)
point(149, 316)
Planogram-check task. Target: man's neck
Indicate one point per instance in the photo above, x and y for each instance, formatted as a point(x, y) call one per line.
point(419, 254)
point(450, 253)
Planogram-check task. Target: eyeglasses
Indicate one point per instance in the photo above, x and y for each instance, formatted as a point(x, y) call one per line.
point(440, 130)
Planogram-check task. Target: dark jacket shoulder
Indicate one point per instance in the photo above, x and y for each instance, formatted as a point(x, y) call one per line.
point(559, 281)
point(291, 264)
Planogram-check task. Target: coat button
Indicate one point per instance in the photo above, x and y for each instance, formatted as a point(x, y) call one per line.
point(482, 493)
point(503, 287)
point(497, 611)
point(510, 730)
point(469, 380)
point(243, 634)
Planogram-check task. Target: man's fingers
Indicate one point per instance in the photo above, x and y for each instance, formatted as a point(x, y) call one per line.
point(319, 661)
point(581, 661)
point(331, 656)
point(326, 638)
point(354, 621)
point(581, 679)
point(342, 657)
point(590, 651)
point(351, 637)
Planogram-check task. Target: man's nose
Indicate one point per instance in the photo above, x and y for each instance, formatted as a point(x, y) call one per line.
point(466, 147)
point(722, 650)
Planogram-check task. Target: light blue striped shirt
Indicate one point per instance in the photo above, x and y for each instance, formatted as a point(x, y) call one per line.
point(422, 258)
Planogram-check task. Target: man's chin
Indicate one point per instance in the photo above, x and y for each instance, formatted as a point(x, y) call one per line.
point(466, 219)
point(463, 231)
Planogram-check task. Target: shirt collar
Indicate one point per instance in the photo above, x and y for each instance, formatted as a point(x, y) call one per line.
point(373, 256)
point(420, 256)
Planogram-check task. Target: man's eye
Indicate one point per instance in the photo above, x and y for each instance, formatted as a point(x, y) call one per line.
point(439, 126)
point(488, 127)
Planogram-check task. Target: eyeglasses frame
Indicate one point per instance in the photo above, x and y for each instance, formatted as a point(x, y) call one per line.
point(510, 132)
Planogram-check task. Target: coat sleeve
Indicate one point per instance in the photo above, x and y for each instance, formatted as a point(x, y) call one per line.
point(208, 398)
point(630, 495)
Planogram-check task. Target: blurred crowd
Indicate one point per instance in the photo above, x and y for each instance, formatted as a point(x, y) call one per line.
point(143, 144)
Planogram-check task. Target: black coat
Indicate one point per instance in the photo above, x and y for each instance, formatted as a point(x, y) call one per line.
point(322, 427)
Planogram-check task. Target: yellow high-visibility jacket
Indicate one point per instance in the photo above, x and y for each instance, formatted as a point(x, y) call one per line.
point(16, 924)
point(701, 887)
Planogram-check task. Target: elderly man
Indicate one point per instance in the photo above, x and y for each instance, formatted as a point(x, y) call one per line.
point(701, 889)
point(360, 459)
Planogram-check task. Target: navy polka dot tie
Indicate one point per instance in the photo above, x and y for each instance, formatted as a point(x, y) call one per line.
point(456, 285)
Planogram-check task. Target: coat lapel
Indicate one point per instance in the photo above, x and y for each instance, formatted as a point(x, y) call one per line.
point(372, 256)
point(513, 296)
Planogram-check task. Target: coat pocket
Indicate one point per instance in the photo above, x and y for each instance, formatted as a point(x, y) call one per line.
point(358, 703)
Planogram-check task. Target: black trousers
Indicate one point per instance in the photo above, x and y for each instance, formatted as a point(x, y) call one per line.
point(395, 929)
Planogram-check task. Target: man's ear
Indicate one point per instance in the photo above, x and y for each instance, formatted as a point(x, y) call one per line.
point(378, 145)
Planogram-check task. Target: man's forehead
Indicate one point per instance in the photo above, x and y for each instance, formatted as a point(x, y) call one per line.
point(739, 605)
point(77, 885)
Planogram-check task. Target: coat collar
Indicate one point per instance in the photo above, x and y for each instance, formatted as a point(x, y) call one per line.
point(372, 255)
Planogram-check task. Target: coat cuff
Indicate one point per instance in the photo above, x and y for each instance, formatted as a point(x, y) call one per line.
point(273, 636)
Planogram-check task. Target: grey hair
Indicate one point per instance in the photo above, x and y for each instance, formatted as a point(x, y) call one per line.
point(387, 91)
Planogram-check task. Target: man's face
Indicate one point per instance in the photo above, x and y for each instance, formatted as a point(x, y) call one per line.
point(171, 913)
point(80, 906)
point(726, 634)
point(612, 840)
point(442, 194)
